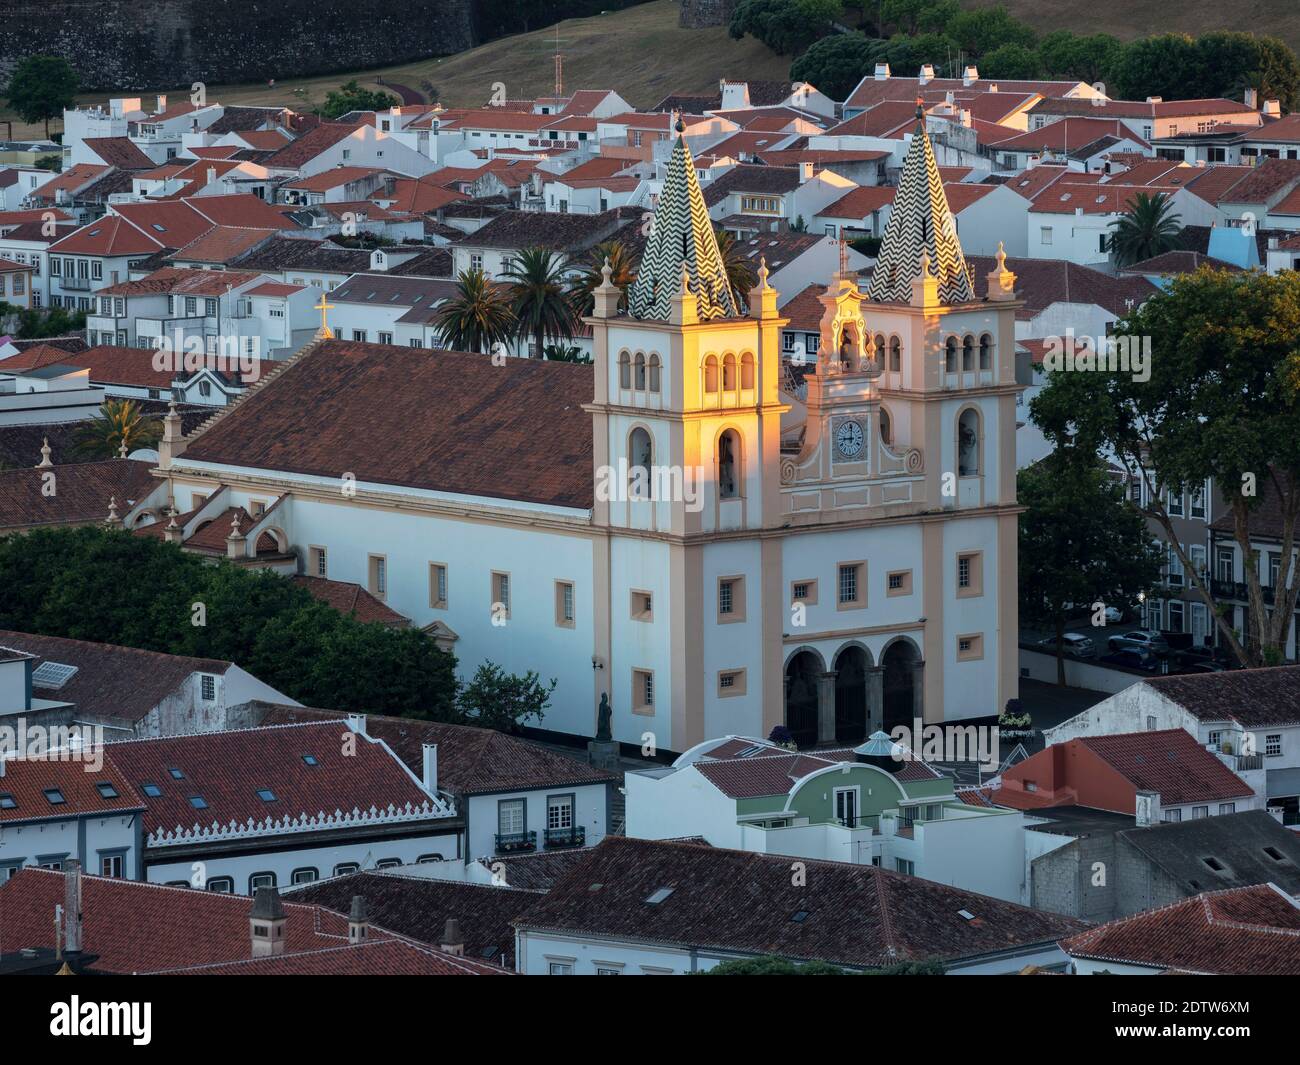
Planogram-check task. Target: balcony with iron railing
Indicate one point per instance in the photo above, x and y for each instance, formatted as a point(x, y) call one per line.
point(1238, 590)
point(515, 842)
point(565, 837)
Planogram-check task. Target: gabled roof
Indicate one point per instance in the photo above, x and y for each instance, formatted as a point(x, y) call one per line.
point(471, 761)
point(717, 899)
point(1254, 698)
point(920, 235)
point(84, 489)
point(1168, 761)
point(120, 152)
point(1043, 282)
point(309, 145)
point(110, 235)
point(352, 599)
point(419, 907)
point(111, 682)
point(228, 769)
point(752, 178)
point(28, 782)
point(890, 118)
point(1228, 851)
point(136, 927)
point(1250, 931)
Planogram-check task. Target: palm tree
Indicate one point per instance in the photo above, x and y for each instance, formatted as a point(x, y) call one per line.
point(119, 422)
point(539, 296)
point(1146, 229)
point(622, 273)
point(567, 353)
point(477, 317)
point(740, 271)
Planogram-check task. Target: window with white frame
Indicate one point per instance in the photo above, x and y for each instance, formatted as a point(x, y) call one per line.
point(510, 817)
point(1273, 744)
point(559, 812)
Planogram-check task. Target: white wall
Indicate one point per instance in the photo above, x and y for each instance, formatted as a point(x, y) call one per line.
point(590, 811)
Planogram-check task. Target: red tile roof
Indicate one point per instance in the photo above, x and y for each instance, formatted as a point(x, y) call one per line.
point(352, 599)
point(110, 235)
point(1249, 931)
point(471, 761)
point(861, 202)
point(26, 780)
point(886, 119)
point(120, 152)
point(364, 408)
point(1171, 762)
point(1254, 698)
point(855, 915)
point(228, 768)
point(309, 145)
point(134, 927)
point(84, 489)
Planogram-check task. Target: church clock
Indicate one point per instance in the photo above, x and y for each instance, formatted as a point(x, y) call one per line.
point(849, 439)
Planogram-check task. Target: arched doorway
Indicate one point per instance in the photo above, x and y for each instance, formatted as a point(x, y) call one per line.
point(851, 695)
point(900, 661)
point(801, 678)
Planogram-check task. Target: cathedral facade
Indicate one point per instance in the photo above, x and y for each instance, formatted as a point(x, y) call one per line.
point(718, 540)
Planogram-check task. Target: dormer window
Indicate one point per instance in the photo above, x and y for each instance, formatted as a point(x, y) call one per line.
point(54, 796)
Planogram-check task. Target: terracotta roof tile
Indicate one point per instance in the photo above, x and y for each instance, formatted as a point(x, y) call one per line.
point(84, 489)
point(352, 599)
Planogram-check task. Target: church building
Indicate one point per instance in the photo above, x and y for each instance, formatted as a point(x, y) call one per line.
point(681, 526)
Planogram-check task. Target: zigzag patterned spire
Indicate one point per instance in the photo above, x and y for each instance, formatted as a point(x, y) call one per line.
point(920, 221)
point(681, 235)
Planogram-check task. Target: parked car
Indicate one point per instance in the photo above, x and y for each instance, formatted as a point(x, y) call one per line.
point(1205, 667)
point(1073, 643)
point(1139, 639)
point(1132, 659)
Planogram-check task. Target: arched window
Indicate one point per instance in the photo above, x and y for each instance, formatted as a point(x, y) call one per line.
point(624, 370)
point(895, 354)
point(968, 353)
point(880, 347)
point(747, 370)
point(711, 373)
point(950, 355)
point(653, 365)
point(986, 352)
point(640, 450)
point(728, 372)
point(886, 427)
point(968, 443)
point(729, 465)
point(638, 366)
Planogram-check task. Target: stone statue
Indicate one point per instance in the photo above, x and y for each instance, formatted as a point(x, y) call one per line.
point(603, 716)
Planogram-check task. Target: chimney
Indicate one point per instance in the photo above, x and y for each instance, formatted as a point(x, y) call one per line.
point(1251, 99)
point(72, 907)
point(266, 923)
point(965, 118)
point(1147, 808)
point(431, 767)
point(1272, 109)
point(452, 941)
point(970, 75)
point(212, 175)
point(357, 723)
point(805, 170)
point(160, 104)
point(358, 921)
point(882, 72)
point(1155, 99)
point(927, 73)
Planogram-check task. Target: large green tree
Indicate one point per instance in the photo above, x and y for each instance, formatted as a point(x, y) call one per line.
point(1149, 227)
point(496, 699)
point(622, 272)
point(1085, 58)
point(118, 422)
point(350, 96)
point(1081, 542)
point(981, 30)
point(785, 26)
point(41, 87)
point(836, 64)
point(1217, 401)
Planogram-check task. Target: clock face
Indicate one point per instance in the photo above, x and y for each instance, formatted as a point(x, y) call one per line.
point(848, 439)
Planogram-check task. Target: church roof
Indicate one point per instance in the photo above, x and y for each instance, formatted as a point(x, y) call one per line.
point(920, 231)
point(682, 241)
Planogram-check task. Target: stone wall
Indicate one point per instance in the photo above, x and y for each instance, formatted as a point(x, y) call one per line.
point(126, 45)
point(696, 14)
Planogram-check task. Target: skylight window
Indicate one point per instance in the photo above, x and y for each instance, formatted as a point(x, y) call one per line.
point(266, 794)
point(106, 790)
point(310, 759)
point(659, 895)
point(1214, 864)
point(176, 774)
point(1272, 852)
point(152, 790)
point(799, 916)
point(7, 801)
point(966, 915)
point(54, 796)
point(198, 802)
point(52, 675)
